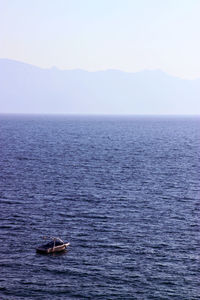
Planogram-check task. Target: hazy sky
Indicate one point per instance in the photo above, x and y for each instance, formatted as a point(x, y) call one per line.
point(129, 35)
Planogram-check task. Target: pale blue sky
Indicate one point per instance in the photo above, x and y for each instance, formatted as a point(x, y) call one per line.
point(94, 35)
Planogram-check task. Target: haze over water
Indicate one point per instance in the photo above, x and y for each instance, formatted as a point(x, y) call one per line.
point(124, 191)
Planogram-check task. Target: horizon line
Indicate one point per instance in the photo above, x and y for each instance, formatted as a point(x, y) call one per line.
point(98, 114)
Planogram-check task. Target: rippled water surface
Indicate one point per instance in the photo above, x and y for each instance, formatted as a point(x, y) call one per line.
point(124, 191)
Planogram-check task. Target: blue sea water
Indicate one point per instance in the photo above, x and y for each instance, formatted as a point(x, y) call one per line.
point(124, 191)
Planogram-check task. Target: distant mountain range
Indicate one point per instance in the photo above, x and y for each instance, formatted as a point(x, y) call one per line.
point(28, 89)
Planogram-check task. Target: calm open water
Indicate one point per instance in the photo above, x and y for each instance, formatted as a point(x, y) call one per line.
point(124, 191)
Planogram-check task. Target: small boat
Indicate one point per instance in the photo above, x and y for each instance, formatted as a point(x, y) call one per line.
point(56, 245)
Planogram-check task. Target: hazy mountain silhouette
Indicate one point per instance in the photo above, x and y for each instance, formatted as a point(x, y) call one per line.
point(28, 89)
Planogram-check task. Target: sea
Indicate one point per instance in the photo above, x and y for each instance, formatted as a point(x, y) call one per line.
point(123, 190)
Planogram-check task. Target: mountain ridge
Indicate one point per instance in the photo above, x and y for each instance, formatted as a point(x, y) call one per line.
point(26, 88)
point(55, 68)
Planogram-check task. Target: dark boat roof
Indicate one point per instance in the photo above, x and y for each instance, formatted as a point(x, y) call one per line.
point(51, 244)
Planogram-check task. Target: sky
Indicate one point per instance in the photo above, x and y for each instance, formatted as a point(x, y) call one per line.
point(128, 35)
